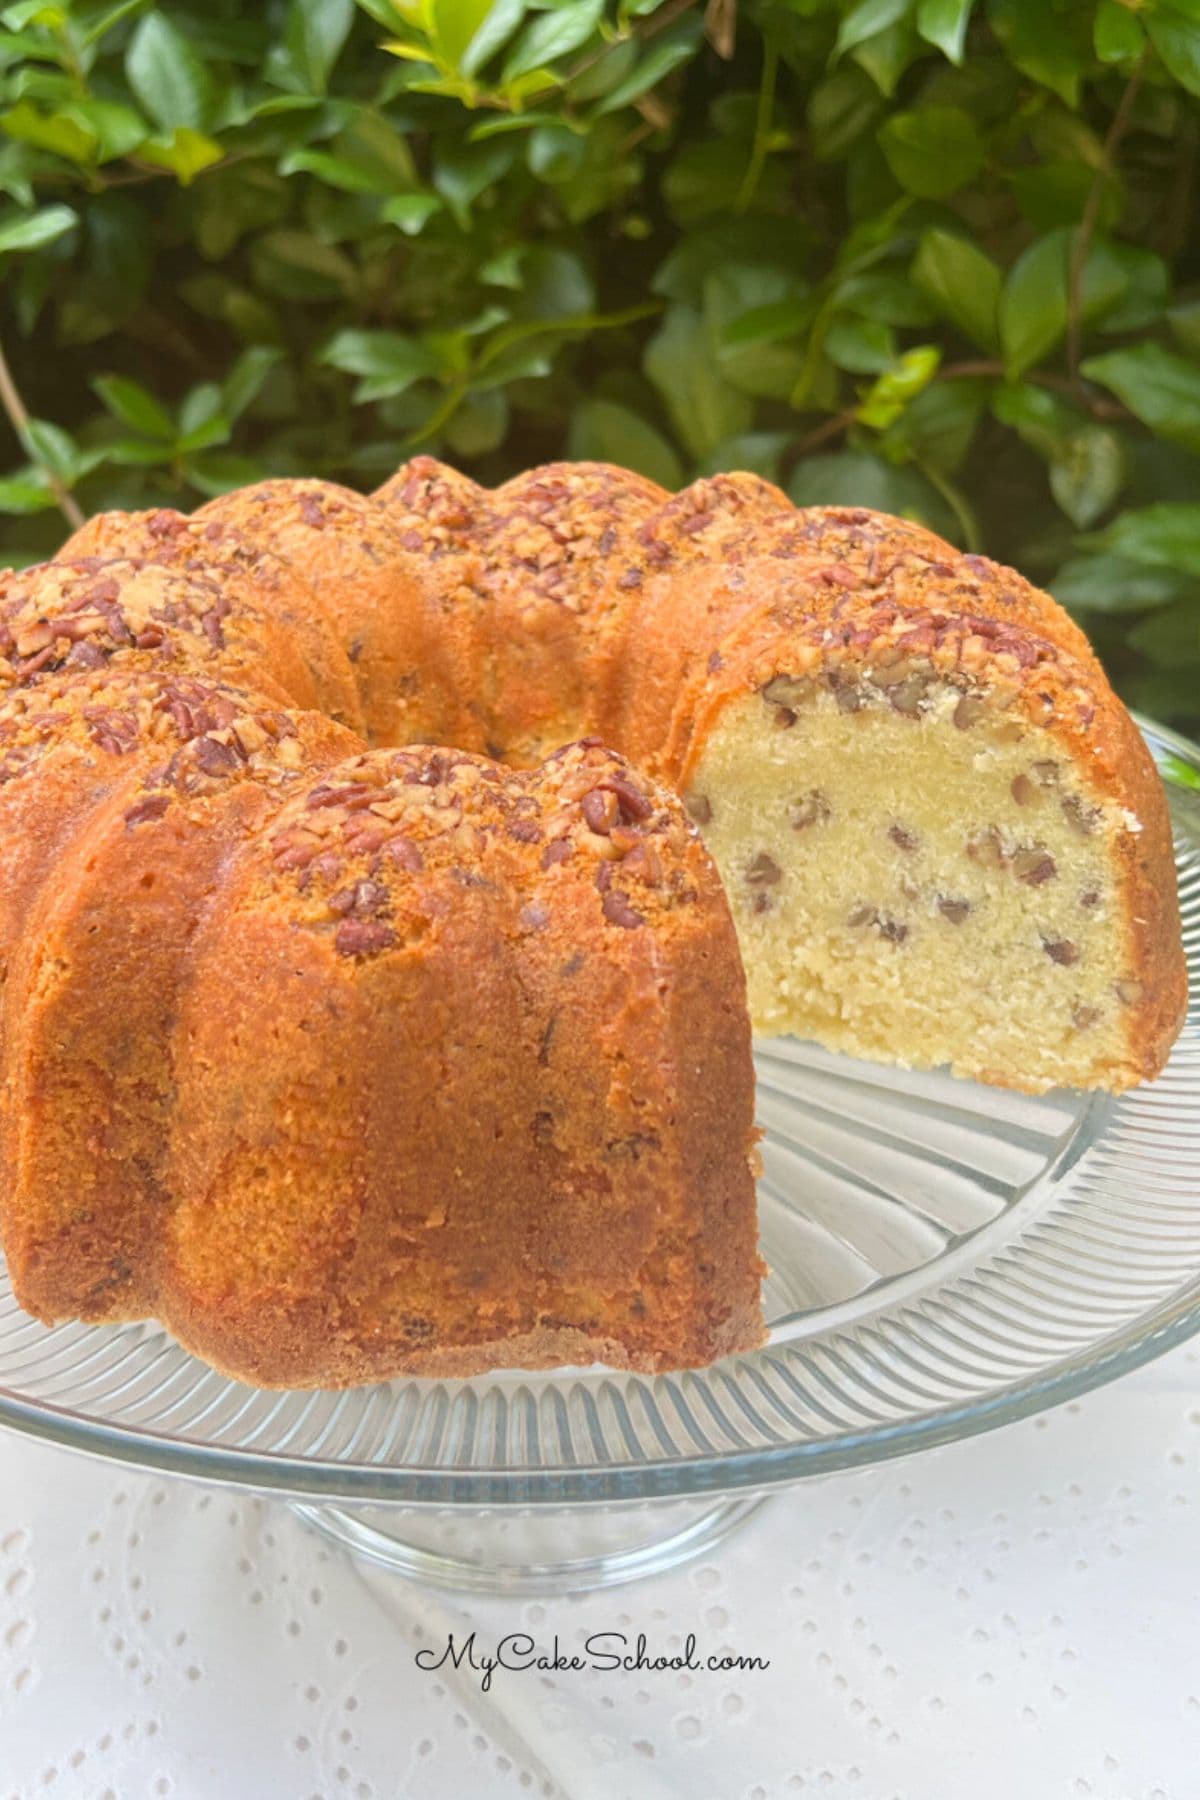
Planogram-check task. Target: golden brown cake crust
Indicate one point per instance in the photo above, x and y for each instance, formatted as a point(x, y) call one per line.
point(308, 657)
point(558, 947)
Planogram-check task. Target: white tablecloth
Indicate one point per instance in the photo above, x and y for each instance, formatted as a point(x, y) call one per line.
point(1013, 1618)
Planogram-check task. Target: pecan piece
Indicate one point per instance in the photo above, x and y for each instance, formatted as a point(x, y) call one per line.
point(601, 809)
point(1034, 866)
point(764, 871)
point(618, 911)
point(986, 848)
point(790, 691)
point(812, 808)
point(152, 807)
point(363, 937)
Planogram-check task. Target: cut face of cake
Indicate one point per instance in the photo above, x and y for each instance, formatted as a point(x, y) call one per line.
point(941, 848)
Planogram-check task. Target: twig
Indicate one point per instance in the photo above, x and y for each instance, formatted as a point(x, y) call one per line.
point(18, 414)
point(762, 126)
point(1090, 214)
point(1097, 404)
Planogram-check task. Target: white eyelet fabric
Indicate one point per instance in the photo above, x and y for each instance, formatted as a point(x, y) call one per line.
point(1012, 1618)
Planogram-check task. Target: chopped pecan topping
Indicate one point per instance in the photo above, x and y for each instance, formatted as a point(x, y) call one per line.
point(618, 911)
point(363, 937)
point(152, 807)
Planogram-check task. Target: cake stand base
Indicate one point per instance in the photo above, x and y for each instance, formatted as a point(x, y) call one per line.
point(531, 1551)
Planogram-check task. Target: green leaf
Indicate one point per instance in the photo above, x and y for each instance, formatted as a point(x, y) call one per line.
point(1033, 307)
point(1184, 321)
point(758, 452)
point(933, 151)
point(1170, 637)
point(654, 65)
point(554, 152)
point(461, 172)
point(1117, 35)
point(891, 392)
point(388, 362)
point(551, 35)
point(297, 266)
point(411, 212)
point(1147, 281)
point(55, 449)
point(1056, 193)
point(185, 153)
point(1042, 42)
point(1087, 473)
point(1177, 40)
point(168, 77)
point(115, 129)
point(1167, 534)
point(243, 384)
point(962, 282)
point(943, 23)
point(888, 54)
point(602, 431)
point(1041, 420)
point(751, 310)
point(479, 424)
point(555, 284)
point(937, 428)
point(860, 346)
point(855, 478)
point(223, 472)
point(499, 20)
point(841, 110)
point(313, 37)
point(24, 497)
point(703, 406)
point(1159, 388)
point(29, 231)
point(57, 132)
point(134, 406)
point(1114, 584)
point(866, 20)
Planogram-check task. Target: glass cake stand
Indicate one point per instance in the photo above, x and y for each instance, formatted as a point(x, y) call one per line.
point(944, 1258)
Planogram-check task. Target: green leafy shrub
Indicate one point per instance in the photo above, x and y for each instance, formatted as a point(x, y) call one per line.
point(938, 256)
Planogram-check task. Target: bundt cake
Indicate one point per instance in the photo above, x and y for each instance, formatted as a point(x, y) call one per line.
point(442, 1065)
point(363, 1013)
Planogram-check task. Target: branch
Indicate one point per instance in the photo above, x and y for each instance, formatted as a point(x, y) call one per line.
point(1091, 212)
point(18, 414)
point(1098, 405)
point(762, 126)
point(829, 428)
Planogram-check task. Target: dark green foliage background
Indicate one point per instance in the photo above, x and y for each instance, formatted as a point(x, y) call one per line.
point(938, 256)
